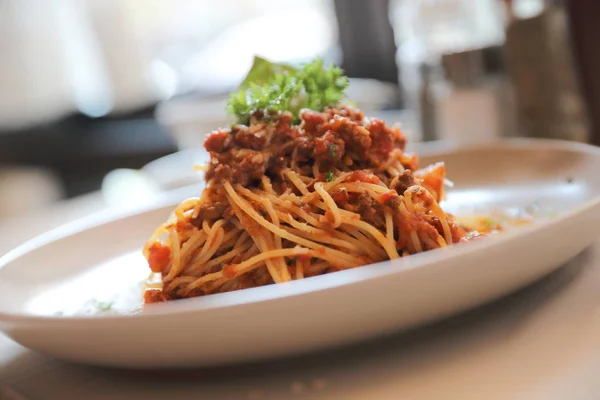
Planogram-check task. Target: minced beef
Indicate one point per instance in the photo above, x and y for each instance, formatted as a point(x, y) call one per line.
point(404, 181)
point(340, 138)
point(210, 212)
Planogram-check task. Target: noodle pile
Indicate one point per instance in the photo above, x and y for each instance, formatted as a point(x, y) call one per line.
point(291, 201)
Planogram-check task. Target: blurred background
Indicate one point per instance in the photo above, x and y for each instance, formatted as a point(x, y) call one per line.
point(93, 91)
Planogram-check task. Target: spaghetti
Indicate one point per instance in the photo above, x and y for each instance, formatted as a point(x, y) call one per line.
point(289, 201)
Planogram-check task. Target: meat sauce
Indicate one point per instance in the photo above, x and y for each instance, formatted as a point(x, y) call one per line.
point(340, 138)
point(159, 257)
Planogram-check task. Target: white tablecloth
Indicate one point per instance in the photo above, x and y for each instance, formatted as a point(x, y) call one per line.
point(540, 343)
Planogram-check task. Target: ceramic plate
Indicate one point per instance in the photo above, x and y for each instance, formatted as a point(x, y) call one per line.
point(75, 293)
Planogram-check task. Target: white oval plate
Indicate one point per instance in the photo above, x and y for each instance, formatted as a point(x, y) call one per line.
point(95, 265)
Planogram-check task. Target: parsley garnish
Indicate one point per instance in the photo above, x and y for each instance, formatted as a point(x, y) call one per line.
point(274, 88)
point(332, 150)
point(329, 176)
point(103, 306)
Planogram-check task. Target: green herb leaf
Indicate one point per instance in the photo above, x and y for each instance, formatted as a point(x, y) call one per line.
point(102, 305)
point(275, 88)
point(262, 71)
point(329, 176)
point(332, 150)
point(324, 86)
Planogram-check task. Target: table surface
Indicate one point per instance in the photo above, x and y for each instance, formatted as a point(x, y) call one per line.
point(542, 342)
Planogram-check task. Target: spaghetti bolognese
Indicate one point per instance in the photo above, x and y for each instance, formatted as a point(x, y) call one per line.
point(296, 194)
